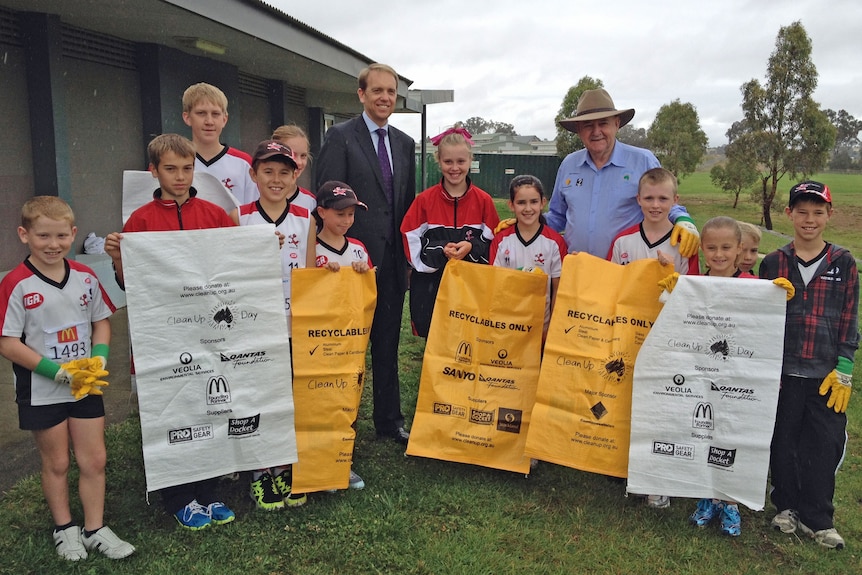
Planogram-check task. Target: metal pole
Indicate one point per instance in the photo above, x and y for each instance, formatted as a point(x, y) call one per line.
point(422, 147)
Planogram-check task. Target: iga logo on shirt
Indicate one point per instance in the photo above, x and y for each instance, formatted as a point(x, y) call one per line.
point(33, 300)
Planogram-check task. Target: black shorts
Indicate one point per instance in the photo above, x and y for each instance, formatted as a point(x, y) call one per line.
point(39, 417)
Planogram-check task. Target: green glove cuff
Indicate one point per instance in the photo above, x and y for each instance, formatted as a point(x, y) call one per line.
point(47, 368)
point(100, 349)
point(845, 366)
point(681, 219)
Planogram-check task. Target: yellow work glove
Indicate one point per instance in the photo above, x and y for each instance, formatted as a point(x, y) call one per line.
point(62, 374)
point(785, 284)
point(838, 384)
point(533, 270)
point(100, 351)
point(686, 235)
point(668, 283)
point(508, 222)
point(86, 376)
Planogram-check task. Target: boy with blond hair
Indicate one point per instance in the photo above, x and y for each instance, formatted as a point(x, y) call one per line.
point(175, 206)
point(205, 112)
point(751, 236)
point(820, 340)
point(650, 239)
point(54, 316)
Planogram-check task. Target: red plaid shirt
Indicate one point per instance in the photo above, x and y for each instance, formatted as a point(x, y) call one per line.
point(822, 316)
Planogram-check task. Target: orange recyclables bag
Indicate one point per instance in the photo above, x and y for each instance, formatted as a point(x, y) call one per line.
point(603, 312)
point(480, 367)
point(332, 314)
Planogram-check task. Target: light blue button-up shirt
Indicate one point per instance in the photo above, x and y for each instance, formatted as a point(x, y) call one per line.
point(591, 206)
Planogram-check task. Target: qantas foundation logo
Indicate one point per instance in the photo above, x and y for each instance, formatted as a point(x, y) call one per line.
point(731, 392)
point(246, 358)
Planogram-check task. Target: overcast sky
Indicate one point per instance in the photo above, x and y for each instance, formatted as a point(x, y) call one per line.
point(513, 61)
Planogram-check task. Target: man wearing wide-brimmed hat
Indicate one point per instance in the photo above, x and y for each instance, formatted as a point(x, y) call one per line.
point(595, 195)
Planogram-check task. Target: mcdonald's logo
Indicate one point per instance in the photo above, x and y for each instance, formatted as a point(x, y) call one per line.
point(218, 390)
point(703, 417)
point(218, 384)
point(68, 335)
point(464, 353)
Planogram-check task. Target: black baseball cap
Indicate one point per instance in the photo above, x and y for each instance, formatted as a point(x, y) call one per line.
point(269, 149)
point(810, 190)
point(337, 196)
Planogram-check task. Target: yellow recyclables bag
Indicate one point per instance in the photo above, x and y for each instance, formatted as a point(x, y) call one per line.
point(480, 367)
point(603, 312)
point(332, 314)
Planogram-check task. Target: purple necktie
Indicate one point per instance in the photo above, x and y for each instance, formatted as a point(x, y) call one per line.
point(385, 168)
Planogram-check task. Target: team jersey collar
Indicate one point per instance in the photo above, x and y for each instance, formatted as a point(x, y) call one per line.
point(452, 199)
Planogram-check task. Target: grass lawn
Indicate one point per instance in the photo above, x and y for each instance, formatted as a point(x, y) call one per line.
point(421, 516)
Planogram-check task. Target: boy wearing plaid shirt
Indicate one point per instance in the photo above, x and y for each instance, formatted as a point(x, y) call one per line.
point(820, 339)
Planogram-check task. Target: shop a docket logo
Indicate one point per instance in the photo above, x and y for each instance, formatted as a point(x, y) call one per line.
point(218, 390)
point(721, 457)
point(243, 426)
point(481, 417)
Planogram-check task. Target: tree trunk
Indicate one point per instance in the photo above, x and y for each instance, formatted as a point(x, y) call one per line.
point(767, 206)
point(735, 199)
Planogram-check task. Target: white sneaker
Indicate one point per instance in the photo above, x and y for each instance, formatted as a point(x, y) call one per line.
point(68, 543)
point(786, 521)
point(826, 537)
point(658, 501)
point(355, 482)
point(106, 542)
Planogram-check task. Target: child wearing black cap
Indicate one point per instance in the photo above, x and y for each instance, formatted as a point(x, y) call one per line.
point(336, 206)
point(273, 169)
point(820, 339)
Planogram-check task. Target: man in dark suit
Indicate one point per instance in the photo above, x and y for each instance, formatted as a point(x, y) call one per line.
point(384, 178)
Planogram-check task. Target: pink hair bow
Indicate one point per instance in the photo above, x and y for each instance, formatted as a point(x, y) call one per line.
point(467, 135)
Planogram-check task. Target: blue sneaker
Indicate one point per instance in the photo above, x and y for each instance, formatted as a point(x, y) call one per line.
point(705, 512)
point(731, 522)
point(194, 516)
point(220, 513)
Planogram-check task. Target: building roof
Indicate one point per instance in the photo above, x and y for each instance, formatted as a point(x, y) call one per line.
point(256, 37)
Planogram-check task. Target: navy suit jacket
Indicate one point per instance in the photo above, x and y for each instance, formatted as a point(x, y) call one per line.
point(348, 155)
